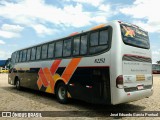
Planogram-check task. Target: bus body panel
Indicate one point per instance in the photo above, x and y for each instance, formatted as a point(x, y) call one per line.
point(93, 78)
point(90, 81)
point(133, 89)
point(124, 97)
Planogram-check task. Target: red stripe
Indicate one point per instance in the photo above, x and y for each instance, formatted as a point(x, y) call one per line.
point(90, 67)
point(135, 56)
point(54, 66)
point(43, 78)
point(49, 77)
point(93, 66)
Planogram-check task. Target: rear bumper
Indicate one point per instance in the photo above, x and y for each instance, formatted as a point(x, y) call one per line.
point(123, 97)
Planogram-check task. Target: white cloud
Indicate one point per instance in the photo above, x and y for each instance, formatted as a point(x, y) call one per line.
point(41, 29)
point(2, 42)
point(10, 31)
point(145, 9)
point(4, 54)
point(155, 55)
point(6, 34)
point(29, 12)
point(12, 28)
point(148, 26)
point(105, 8)
point(90, 2)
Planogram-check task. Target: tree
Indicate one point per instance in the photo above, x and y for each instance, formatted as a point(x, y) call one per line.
point(158, 62)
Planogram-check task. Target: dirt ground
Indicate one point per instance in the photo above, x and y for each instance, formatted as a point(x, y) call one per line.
point(29, 100)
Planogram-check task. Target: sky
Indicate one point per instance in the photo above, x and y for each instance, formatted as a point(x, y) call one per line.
point(24, 23)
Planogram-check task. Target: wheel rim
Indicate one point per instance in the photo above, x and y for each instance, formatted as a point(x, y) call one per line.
point(61, 93)
point(17, 84)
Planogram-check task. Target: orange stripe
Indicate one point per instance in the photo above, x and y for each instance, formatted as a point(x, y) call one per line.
point(97, 27)
point(49, 77)
point(43, 78)
point(68, 72)
point(39, 83)
point(54, 66)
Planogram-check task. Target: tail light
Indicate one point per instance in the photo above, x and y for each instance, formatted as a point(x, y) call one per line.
point(119, 81)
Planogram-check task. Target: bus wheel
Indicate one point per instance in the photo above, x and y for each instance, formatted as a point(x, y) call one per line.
point(61, 93)
point(18, 84)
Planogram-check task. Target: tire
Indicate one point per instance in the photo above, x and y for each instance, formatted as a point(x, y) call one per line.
point(61, 93)
point(18, 87)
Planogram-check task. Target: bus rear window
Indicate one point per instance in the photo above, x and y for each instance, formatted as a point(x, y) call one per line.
point(134, 36)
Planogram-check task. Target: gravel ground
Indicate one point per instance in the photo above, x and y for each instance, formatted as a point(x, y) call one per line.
point(29, 100)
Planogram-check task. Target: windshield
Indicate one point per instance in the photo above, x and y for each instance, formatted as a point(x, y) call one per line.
point(134, 36)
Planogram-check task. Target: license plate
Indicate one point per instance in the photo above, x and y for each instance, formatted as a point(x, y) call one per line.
point(140, 87)
point(140, 77)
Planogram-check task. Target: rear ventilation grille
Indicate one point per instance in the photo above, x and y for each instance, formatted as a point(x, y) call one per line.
point(137, 58)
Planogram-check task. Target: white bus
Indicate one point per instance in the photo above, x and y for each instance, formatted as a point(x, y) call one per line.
point(108, 64)
point(156, 68)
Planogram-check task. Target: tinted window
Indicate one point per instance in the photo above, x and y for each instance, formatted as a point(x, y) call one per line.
point(38, 53)
point(58, 49)
point(83, 44)
point(51, 50)
point(44, 52)
point(99, 41)
point(33, 53)
point(13, 58)
point(103, 37)
point(134, 36)
point(67, 47)
point(94, 39)
point(20, 57)
point(24, 55)
point(98, 49)
point(17, 56)
point(76, 45)
point(28, 54)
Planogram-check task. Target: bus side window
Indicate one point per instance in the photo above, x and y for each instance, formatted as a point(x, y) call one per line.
point(24, 55)
point(33, 53)
point(103, 37)
point(83, 45)
point(76, 46)
point(13, 58)
point(17, 57)
point(20, 57)
point(93, 42)
point(99, 41)
point(28, 54)
point(58, 49)
point(44, 52)
point(67, 47)
point(94, 39)
point(38, 53)
point(51, 50)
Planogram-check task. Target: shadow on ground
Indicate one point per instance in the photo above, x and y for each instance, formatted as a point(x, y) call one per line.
point(73, 105)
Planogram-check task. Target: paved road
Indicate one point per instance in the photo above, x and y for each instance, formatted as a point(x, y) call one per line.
point(29, 100)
